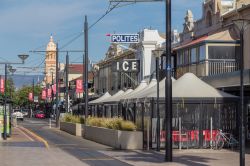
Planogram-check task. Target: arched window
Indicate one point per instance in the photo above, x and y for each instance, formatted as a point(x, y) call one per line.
point(209, 19)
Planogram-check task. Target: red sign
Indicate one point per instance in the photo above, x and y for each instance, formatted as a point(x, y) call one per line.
point(54, 88)
point(79, 88)
point(30, 96)
point(1, 85)
point(49, 92)
point(44, 95)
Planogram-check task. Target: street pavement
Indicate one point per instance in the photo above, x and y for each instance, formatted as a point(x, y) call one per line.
point(27, 146)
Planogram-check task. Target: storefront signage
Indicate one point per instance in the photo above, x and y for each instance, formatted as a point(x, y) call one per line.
point(127, 65)
point(125, 38)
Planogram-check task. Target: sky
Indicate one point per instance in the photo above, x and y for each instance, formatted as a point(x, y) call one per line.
point(27, 25)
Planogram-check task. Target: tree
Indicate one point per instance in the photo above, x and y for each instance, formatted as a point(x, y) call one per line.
point(21, 96)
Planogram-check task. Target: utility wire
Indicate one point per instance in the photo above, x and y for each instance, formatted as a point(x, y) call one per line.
point(106, 13)
point(110, 8)
point(72, 40)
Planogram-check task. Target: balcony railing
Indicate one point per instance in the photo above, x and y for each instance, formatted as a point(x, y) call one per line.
point(222, 66)
point(208, 67)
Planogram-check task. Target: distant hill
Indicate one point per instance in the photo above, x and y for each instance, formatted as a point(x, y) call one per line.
point(21, 80)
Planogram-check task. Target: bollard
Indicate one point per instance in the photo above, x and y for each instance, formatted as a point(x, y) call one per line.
point(211, 132)
point(50, 123)
point(148, 135)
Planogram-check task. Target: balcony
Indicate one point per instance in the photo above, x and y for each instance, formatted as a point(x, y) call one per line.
point(208, 67)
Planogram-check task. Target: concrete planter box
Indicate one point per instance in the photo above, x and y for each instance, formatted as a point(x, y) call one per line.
point(72, 128)
point(115, 138)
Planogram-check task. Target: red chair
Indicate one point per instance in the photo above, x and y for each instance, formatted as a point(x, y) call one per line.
point(175, 136)
point(162, 136)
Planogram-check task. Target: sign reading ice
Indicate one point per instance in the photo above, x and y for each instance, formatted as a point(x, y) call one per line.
point(127, 65)
point(125, 38)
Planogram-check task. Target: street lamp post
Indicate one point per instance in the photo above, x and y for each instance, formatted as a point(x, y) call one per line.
point(67, 83)
point(242, 25)
point(23, 57)
point(168, 88)
point(86, 66)
point(52, 92)
point(12, 72)
point(57, 88)
point(157, 53)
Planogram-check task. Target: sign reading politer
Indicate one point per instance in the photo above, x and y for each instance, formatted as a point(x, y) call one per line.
point(125, 38)
point(126, 65)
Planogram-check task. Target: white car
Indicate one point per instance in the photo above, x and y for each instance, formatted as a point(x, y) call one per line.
point(17, 114)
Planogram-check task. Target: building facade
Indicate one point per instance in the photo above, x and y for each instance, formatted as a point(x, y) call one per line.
point(210, 47)
point(105, 79)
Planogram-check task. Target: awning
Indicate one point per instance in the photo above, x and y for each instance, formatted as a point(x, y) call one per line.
point(190, 86)
point(117, 98)
point(112, 97)
point(142, 85)
point(222, 36)
point(105, 96)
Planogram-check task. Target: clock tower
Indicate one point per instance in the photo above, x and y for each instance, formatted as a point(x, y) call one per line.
point(50, 61)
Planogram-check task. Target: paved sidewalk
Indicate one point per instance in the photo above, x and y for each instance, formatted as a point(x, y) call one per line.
point(24, 149)
point(191, 157)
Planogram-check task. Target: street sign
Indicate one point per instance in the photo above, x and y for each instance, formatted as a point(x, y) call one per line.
point(125, 38)
point(127, 65)
point(36, 99)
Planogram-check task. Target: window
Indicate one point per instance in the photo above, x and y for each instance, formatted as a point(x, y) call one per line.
point(193, 55)
point(179, 58)
point(202, 53)
point(223, 52)
point(186, 57)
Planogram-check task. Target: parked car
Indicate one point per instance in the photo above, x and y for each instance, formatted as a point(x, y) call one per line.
point(40, 115)
point(25, 112)
point(17, 114)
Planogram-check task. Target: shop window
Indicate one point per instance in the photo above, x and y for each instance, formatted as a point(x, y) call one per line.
point(179, 58)
point(202, 53)
point(186, 57)
point(223, 52)
point(193, 55)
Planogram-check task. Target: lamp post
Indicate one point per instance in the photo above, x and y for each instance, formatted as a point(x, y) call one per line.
point(242, 25)
point(12, 72)
point(168, 88)
point(86, 66)
point(157, 53)
point(52, 93)
point(23, 57)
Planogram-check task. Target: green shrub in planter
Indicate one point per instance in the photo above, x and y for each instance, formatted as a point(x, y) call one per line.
point(111, 123)
point(73, 119)
point(128, 126)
